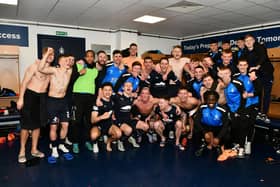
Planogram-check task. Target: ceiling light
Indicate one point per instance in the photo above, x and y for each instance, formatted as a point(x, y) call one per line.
point(149, 19)
point(184, 7)
point(9, 2)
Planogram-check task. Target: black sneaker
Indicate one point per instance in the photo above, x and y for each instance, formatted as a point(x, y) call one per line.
point(200, 150)
point(219, 150)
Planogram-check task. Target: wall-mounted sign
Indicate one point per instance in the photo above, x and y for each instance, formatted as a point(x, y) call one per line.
point(61, 33)
point(270, 37)
point(13, 35)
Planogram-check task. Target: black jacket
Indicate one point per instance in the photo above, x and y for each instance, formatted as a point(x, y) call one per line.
point(258, 56)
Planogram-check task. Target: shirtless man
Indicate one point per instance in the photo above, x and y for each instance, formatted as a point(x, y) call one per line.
point(142, 107)
point(177, 62)
point(58, 112)
point(208, 83)
point(133, 48)
point(188, 104)
point(32, 102)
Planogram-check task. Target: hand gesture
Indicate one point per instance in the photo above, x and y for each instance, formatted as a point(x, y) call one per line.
point(106, 115)
point(83, 71)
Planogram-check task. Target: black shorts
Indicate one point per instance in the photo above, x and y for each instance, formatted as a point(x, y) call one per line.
point(58, 110)
point(104, 126)
point(33, 113)
point(168, 127)
point(133, 122)
point(119, 122)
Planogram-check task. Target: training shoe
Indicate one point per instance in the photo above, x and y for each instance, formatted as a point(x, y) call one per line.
point(235, 147)
point(278, 151)
point(76, 149)
point(266, 119)
point(219, 150)
point(95, 148)
point(171, 135)
point(120, 146)
point(114, 142)
point(55, 152)
point(247, 148)
point(62, 148)
point(88, 146)
point(133, 142)
point(179, 146)
point(101, 138)
point(259, 116)
point(241, 153)
point(154, 137)
point(201, 149)
point(150, 137)
point(67, 141)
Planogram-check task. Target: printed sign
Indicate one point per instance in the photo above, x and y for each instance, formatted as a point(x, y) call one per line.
point(270, 37)
point(13, 35)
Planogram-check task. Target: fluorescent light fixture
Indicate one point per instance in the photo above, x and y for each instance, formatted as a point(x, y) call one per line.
point(149, 19)
point(9, 2)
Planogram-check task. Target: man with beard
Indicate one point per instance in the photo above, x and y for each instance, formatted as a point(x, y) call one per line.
point(83, 97)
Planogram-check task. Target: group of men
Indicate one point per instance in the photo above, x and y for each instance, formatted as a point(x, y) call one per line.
point(217, 98)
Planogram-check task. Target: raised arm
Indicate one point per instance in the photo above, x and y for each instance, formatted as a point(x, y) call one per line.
point(43, 65)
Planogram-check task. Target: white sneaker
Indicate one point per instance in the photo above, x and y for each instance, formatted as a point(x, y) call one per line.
point(259, 116)
point(95, 148)
point(120, 146)
point(236, 147)
point(241, 153)
point(179, 146)
point(55, 152)
point(278, 151)
point(133, 142)
point(63, 148)
point(154, 137)
point(105, 138)
point(248, 148)
point(171, 135)
point(266, 119)
point(67, 141)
